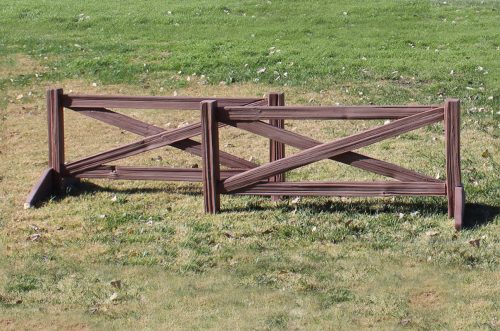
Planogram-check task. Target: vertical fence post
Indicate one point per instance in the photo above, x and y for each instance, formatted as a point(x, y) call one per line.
point(454, 189)
point(55, 119)
point(210, 148)
point(276, 149)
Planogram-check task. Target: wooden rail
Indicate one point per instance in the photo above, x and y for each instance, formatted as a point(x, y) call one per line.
point(97, 107)
point(261, 116)
point(356, 189)
point(254, 113)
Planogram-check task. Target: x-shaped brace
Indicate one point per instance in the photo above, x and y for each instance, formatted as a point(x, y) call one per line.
point(338, 150)
point(156, 137)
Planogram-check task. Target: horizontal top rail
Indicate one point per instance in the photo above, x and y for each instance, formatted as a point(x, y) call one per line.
point(147, 102)
point(254, 113)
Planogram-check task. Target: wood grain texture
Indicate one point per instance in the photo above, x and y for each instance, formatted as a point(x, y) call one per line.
point(146, 144)
point(211, 166)
point(276, 148)
point(55, 118)
point(350, 158)
point(148, 102)
point(337, 147)
point(459, 207)
point(121, 121)
point(144, 129)
point(150, 173)
point(343, 189)
point(452, 143)
point(255, 113)
point(42, 190)
point(246, 177)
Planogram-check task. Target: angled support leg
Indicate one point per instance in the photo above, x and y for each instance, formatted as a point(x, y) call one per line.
point(210, 148)
point(51, 180)
point(452, 139)
point(276, 149)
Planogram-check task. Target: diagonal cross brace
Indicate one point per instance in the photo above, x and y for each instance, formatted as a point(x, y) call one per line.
point(357, 160)
point(331, 149)
point(144, 145)
point(138, 127)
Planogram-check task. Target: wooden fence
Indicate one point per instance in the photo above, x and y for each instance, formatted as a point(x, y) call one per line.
point(263, 117)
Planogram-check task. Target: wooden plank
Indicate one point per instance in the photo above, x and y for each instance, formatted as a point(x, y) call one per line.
point(333, 148)
point(276, 148)
point(361, 189)
point(147, 102)
point(141, 128)
point(42, 190)
point(254, 113)
point(226, 159)
point(210, 146)
point(263, 102)
point(452, 143)
point(350, 158)
point(150, 173)
point(146, 144)
point(55, 118)
point(459, 207)
point(121, 121)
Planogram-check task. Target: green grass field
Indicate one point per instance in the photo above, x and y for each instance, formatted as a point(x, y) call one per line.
point(143, 256)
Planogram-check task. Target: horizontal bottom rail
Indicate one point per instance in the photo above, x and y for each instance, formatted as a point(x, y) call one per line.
point(150, 173)
point(360, 189)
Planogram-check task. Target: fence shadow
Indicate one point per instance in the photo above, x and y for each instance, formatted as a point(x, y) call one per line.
point(368, 207)
point(86, 187)
point(478, 214)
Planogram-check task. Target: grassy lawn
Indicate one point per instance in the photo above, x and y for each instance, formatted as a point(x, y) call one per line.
point(142, 255)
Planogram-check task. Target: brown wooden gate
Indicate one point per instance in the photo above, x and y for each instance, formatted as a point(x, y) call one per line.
point(97, 166)
point(264, 117)
point(255, 180)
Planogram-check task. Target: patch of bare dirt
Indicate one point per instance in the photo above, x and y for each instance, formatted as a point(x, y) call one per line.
point(20, 64)
point(425, 299)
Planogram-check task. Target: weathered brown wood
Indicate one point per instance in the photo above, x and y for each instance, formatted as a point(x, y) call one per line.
point(459, 207)
point(226, 159)
point(452, 143)
point(55, 117)
point(328, 150)
point(248, 178)
point(350, 158)
point(147, 102)
point(43, 188)
point(211, 167)
point(144, 145)
point(121, 121)
point(276, 148)
point(255, 113)
point(343, 188)
point(138, 127)
point(150, 173)
point(263, 102)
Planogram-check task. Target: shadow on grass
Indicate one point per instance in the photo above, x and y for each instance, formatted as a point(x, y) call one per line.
point(91, 188)
point(369, 206)
point(478, 214)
